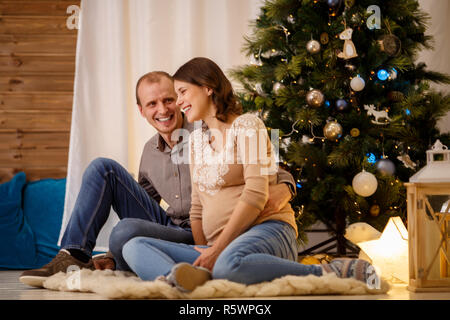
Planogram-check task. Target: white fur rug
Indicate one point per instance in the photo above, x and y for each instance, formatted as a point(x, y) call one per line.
point(125, 285)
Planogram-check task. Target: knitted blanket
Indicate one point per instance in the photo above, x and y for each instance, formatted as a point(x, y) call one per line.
point(125, 285)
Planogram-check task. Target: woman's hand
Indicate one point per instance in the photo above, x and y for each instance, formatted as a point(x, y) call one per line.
point(207, 258)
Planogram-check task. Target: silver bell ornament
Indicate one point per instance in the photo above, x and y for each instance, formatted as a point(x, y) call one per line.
point(313, 46)
point(385, 166)
point(315, 98)
point(332, 130)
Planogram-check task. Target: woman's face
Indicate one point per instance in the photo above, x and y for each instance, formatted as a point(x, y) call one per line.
point(195, 101)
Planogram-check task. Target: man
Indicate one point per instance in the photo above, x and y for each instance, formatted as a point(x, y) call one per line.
point(107, 184)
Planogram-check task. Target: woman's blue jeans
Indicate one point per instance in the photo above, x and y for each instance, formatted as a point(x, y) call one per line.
point(263, 253)
point(107, 184)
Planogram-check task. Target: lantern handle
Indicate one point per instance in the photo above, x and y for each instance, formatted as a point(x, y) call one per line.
point(438, 146)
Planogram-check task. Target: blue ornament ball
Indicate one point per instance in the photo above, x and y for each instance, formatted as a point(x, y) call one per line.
point(333, 3)
point(385, 167)
point(382, 74)
point(341, 105)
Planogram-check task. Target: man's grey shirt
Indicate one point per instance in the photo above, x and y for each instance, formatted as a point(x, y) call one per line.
point(164, 176)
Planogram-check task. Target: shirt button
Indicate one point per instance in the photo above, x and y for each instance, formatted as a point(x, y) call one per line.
point(177, 196)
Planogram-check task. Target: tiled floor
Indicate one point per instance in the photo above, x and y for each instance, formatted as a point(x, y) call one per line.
point(12, 289)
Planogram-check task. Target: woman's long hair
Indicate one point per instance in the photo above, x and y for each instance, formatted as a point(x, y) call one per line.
point(205, 72)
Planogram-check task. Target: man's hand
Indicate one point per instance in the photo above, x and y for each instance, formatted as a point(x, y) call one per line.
point(104, 263)
point(279, 196)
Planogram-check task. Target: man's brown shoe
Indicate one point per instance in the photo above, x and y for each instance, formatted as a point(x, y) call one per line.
point(60, 263)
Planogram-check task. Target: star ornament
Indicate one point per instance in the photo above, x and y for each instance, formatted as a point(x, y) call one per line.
point(389, 253)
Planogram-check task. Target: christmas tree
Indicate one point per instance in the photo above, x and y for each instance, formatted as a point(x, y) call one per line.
point(354, 108)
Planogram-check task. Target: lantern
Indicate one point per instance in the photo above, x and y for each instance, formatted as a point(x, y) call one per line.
point(428, 194)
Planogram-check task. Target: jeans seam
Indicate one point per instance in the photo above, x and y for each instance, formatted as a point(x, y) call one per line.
point(84, 239)
point(89, 225)
point(132, 194)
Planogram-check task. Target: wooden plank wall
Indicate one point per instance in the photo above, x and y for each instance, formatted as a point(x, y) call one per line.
point(37, 66)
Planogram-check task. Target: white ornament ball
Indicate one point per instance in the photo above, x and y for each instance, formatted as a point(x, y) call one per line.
point(357, 83)
point(313, 46)
point(277, 86)
point(365, 184)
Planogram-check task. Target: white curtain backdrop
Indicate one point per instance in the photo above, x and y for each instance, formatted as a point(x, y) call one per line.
point(439, 58)
point(120, 40)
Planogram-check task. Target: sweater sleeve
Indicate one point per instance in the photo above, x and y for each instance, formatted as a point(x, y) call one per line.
point(255, 154)
point(195, 212)
point(196, 206)
point(285, 177)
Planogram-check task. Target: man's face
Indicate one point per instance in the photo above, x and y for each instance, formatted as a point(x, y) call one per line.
point(158, 105)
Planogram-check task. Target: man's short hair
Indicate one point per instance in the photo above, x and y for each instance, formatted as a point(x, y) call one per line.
point(151, 77)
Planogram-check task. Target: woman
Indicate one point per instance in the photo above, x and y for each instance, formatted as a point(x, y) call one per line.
point(232, 165)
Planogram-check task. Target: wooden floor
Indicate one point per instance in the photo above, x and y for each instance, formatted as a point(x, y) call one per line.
point(12, 289)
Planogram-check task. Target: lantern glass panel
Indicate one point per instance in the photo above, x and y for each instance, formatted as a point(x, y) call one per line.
point(436, 222)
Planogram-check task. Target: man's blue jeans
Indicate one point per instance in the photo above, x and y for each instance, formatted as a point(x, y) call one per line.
point(263, 253)
point(107, 184)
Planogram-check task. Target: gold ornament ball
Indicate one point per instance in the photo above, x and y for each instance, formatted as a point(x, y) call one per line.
point(315, 98)
point(324, 38)
point(349, 3)
point(332, 130)
point(313, 46)
point(390, 44)
point(354, 132)
point(374, 210)
point(395, 96)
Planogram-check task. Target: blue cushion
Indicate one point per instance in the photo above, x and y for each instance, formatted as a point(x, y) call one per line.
point(43, 206)
point(17, 245)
